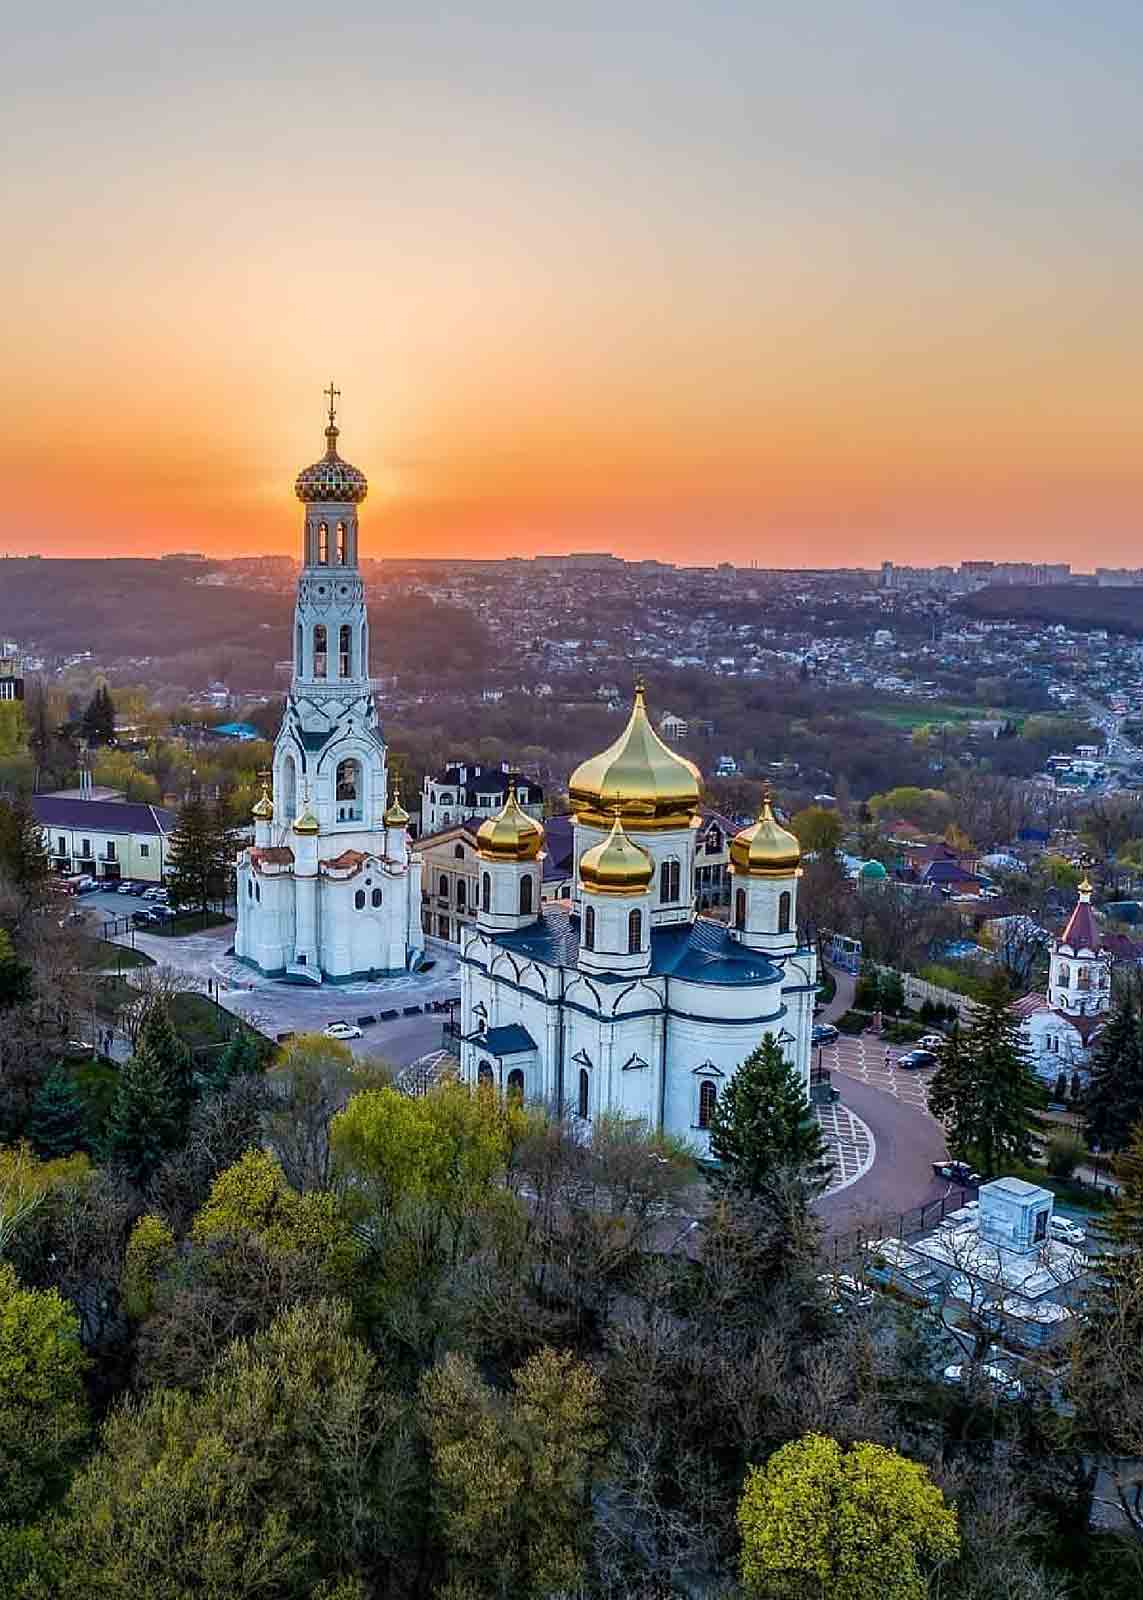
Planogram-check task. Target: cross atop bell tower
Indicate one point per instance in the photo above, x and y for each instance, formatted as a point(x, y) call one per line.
point(334, 396)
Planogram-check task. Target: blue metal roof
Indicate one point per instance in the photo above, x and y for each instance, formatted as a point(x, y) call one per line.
point(698, 952)
point(512, 1040)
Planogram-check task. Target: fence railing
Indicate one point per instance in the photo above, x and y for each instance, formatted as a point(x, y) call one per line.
point(904, 1225)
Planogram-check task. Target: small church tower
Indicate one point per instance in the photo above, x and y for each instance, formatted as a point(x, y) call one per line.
point(508, 847)
point(1079, 978)
point(765, 865)
point(616, 880)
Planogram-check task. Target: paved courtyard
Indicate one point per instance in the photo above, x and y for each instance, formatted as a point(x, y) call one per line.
point(865, 1058)
point(850, 1142)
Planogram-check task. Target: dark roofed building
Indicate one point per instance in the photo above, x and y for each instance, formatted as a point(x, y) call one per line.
point(104, 838)
point(474, 790)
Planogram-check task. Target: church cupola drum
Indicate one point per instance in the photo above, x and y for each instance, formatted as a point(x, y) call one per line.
point(329, 891)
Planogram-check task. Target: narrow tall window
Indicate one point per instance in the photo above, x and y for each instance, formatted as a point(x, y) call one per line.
point(669, 882)
point(526, 895)
point(461, 894)
point(708, 1094)
point(319, 650)
point(349, 784)
point(442, 887)
point(341, 547)
point(516, 1084)
point(589, 928)
point(740, 909)
point(484, 1073)
point(345, 646)
point(584, 1092)
point(634, 932)
point(784, 911)
point(299, 651)
point(323, 544)
point(486, 892)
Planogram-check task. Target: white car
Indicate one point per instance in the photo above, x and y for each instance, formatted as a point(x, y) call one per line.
point(1006, 1386)
point(155, 894)
point(342, 1030)
point(1066, 1231)
point(932, 1041)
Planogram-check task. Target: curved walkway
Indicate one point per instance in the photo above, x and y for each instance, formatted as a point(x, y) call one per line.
point(907, 1142)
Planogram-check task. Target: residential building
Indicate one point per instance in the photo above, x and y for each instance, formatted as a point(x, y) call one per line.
point(110, 839)
point(464, 790)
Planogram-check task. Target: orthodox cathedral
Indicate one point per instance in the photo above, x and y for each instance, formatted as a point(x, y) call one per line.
point(1059, 1027)
point(329, 890)
point(623, 999)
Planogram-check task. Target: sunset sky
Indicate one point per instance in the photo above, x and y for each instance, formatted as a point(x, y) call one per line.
point(815, 282)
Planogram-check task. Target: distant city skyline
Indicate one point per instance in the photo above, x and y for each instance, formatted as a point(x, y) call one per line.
point(812, 286)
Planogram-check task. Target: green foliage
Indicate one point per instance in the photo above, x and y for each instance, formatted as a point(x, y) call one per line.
point(253, 1197)
point(118, 769)
point(892, 991)
point(929, 809)
point(1114, 1100)
point(867, 990)
point(23, 859)
point(853, 1021)
point(763, 1126)
point(818, 829)
point(511, 1477)
point(984, 1090)
point(26, 1182)
point(150, 1251)
point(43, 1414)
point(1064, 1154)
point(148, 1116)
point(201, 855)
point(860, 1524)
point(15, 975)
point(56, 1122)
point(242, 1057)
point(99, 718)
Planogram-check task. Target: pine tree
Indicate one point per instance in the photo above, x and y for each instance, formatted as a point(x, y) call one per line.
point(143, 1124)
point(23, 859)
point(1114, 1101)
point(763, 1126)
point(99, 718)
point(172, 1057)
point(55, 1125)
point(984, 1090)
point(201, 847)
point(240, 1058)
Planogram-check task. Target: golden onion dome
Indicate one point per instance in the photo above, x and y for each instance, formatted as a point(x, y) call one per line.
point(511, 835)
point(263, 810)
point(766, 849)
point(617, 865)
point(653, 787)
point(307, 822)
point(331, 478)
point(396, 816)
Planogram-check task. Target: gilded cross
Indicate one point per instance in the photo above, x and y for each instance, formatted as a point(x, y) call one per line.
point(334, 397)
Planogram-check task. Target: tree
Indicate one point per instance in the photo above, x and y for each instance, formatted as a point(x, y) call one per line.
point(313, 1078)
point(99, 717)
point(23, 859)
point(511, 1477)
point(147, 1117)
point(762, 1124)
point(43, 1413)
point(818, 829)
point(1114, 1100)
point(984, 1089)
point(200, 850)
point(15, 975)
point(859, 1524)
point(55, 1125)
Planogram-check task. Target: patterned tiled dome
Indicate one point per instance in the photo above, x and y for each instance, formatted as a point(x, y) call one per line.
point(331, 478)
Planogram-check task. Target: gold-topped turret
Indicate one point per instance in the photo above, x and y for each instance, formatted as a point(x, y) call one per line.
point(263, 809)
point(653, 787)
point(511, 835)
point(766, 849)
point(618, 865)
point(396, 816)
point(307, 822)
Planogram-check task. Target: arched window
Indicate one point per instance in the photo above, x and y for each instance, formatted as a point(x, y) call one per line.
point(359, 900)
point(319, 650)
point(344, 650)
point(526, 895)
point(323, 544)
point(584, 1101)
point(516, 1084)
point(250, 888)
point(669, 881)
point(376, 898)
point(299, 652)
point(1064, 974)
point(442, 886)
point(484, 1073)
point(784, 911)
point(486, 892)
point(461, 894)
point(740, 909)
point(458, 852)
point(589, 928)
point(708, 1094)
point(289, 787)
point(349, 785)
point(341, 550)
point(634, 932)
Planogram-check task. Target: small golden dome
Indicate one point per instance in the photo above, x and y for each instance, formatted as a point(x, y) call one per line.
point(653, 787)
point(618, 865)
point(307, 822)
point(396, 816)
point(766, 849)
point(263, 810)
point(511, 835)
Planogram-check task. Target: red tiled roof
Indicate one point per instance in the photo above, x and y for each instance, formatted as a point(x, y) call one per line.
point(1081, 932)
point(1028, 1004)
point(276, 854)
point(348, 860)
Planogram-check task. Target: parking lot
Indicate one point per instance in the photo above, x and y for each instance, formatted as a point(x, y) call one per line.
point(875, 1063)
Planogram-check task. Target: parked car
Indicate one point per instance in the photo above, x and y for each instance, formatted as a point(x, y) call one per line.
point(824, 1033)
point(1004, 1385)
point(957, 1172)
point(86, 885)
point(156, 893)
point(126, 887)
point(931, 1041)
point(145, 919)
point(342, 1030)
point(913, 1059)
point(1066, 1231)
point(845, 1292)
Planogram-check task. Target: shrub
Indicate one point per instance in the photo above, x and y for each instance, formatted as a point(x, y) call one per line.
point(853, 1021)
point(1065, 1152)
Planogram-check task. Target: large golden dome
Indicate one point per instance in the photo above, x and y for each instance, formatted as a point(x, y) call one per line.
point(616, 866)
point(766, 849)
point(511, 835)
point(652, 786)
